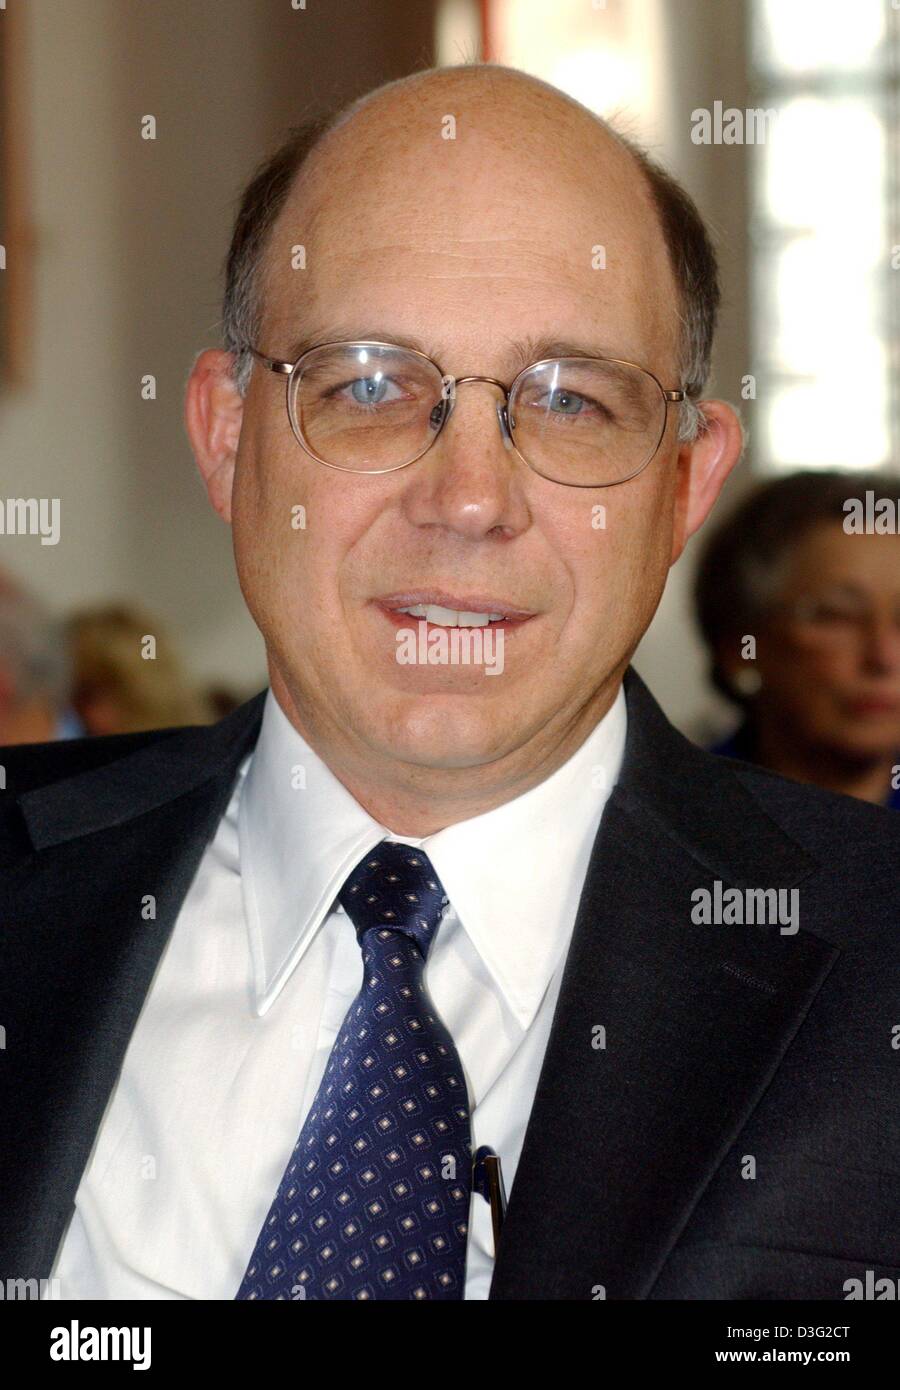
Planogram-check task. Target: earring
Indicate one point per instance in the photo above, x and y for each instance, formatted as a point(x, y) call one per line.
point(747, 682)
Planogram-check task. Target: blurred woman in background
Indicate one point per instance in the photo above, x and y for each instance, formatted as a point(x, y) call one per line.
point(802, 621)
point(35, 670)
point(127, 676)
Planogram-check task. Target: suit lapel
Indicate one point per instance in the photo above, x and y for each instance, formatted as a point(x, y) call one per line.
point(624, 1136)
point(80, 947)
point(622, 1139)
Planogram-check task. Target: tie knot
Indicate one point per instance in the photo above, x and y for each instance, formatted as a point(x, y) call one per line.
point(395, 888)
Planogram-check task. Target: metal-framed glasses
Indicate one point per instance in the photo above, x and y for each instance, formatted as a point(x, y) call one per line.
point(373, 407)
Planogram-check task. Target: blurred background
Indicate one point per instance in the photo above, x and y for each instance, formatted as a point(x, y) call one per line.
point(113, 244)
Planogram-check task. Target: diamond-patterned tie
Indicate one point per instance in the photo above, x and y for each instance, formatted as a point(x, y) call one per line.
point(374, 1202)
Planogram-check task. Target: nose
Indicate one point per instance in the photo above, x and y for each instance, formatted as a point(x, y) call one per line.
point(882, 642)
point(464, 482)
point(502, 406)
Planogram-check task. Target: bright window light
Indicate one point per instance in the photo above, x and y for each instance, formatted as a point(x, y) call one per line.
point(825, 332)
point(804, 36)
point(607, 54)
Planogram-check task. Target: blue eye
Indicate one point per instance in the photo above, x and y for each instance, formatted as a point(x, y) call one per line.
point(565, 402)
point(369, 390)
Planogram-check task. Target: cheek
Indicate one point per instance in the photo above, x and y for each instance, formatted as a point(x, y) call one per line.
point(270, 533)
point(303, 541)
point(272, 507)
point(613, 554)
point(622, 550)
point(803, 671)
point(252, 502)
point(249, 525)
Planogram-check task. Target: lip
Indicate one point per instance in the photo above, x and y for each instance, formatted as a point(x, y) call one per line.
point(513, 616)
point(875, 706)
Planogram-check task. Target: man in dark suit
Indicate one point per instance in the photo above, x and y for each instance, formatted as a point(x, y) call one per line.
point(649, 987)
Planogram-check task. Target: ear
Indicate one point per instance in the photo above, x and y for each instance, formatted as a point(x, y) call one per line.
point(213, 410)
point(702, 468)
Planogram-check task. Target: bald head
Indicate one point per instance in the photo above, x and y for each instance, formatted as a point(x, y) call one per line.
point(454, 157)
point(489, 95)
point(485, 190)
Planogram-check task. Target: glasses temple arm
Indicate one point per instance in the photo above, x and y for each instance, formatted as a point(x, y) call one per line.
point(280, 368)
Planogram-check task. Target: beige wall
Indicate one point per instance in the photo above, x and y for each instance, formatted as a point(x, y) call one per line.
point(131, 236)
point(130, 240)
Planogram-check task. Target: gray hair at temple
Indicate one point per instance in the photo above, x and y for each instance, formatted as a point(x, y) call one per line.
point(691, 252)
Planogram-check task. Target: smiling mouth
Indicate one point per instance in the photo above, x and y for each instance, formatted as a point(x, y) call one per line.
point(450, 610)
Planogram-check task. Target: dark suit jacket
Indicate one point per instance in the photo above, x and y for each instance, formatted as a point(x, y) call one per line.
point(724, 1044)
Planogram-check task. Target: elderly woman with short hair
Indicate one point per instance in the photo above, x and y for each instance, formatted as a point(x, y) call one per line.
point(802, 619)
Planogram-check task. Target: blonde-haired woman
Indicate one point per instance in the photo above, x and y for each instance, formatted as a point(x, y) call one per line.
point(127, 675)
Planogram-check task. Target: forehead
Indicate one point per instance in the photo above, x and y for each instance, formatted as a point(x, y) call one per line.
point(531, 222)
point(827, 555)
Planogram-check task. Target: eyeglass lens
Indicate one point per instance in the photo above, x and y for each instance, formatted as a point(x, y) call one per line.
point(575, 420)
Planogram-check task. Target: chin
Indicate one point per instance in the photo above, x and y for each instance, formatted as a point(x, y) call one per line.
point(444, 731)
point(875, 745)
point(853, 740)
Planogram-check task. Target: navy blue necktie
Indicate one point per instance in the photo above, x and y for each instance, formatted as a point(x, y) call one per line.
point(374, 1202)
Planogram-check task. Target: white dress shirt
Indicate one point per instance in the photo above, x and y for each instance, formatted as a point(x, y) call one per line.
point(258, 974)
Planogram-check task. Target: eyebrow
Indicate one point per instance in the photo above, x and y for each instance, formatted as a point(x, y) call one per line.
point(340, 333)
point(520, 352)
point(533, 349)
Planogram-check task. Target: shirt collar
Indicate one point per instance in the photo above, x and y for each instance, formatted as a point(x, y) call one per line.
point(513, 875)
point(300, 833)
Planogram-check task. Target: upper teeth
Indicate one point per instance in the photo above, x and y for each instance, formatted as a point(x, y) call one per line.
point(448, 617)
